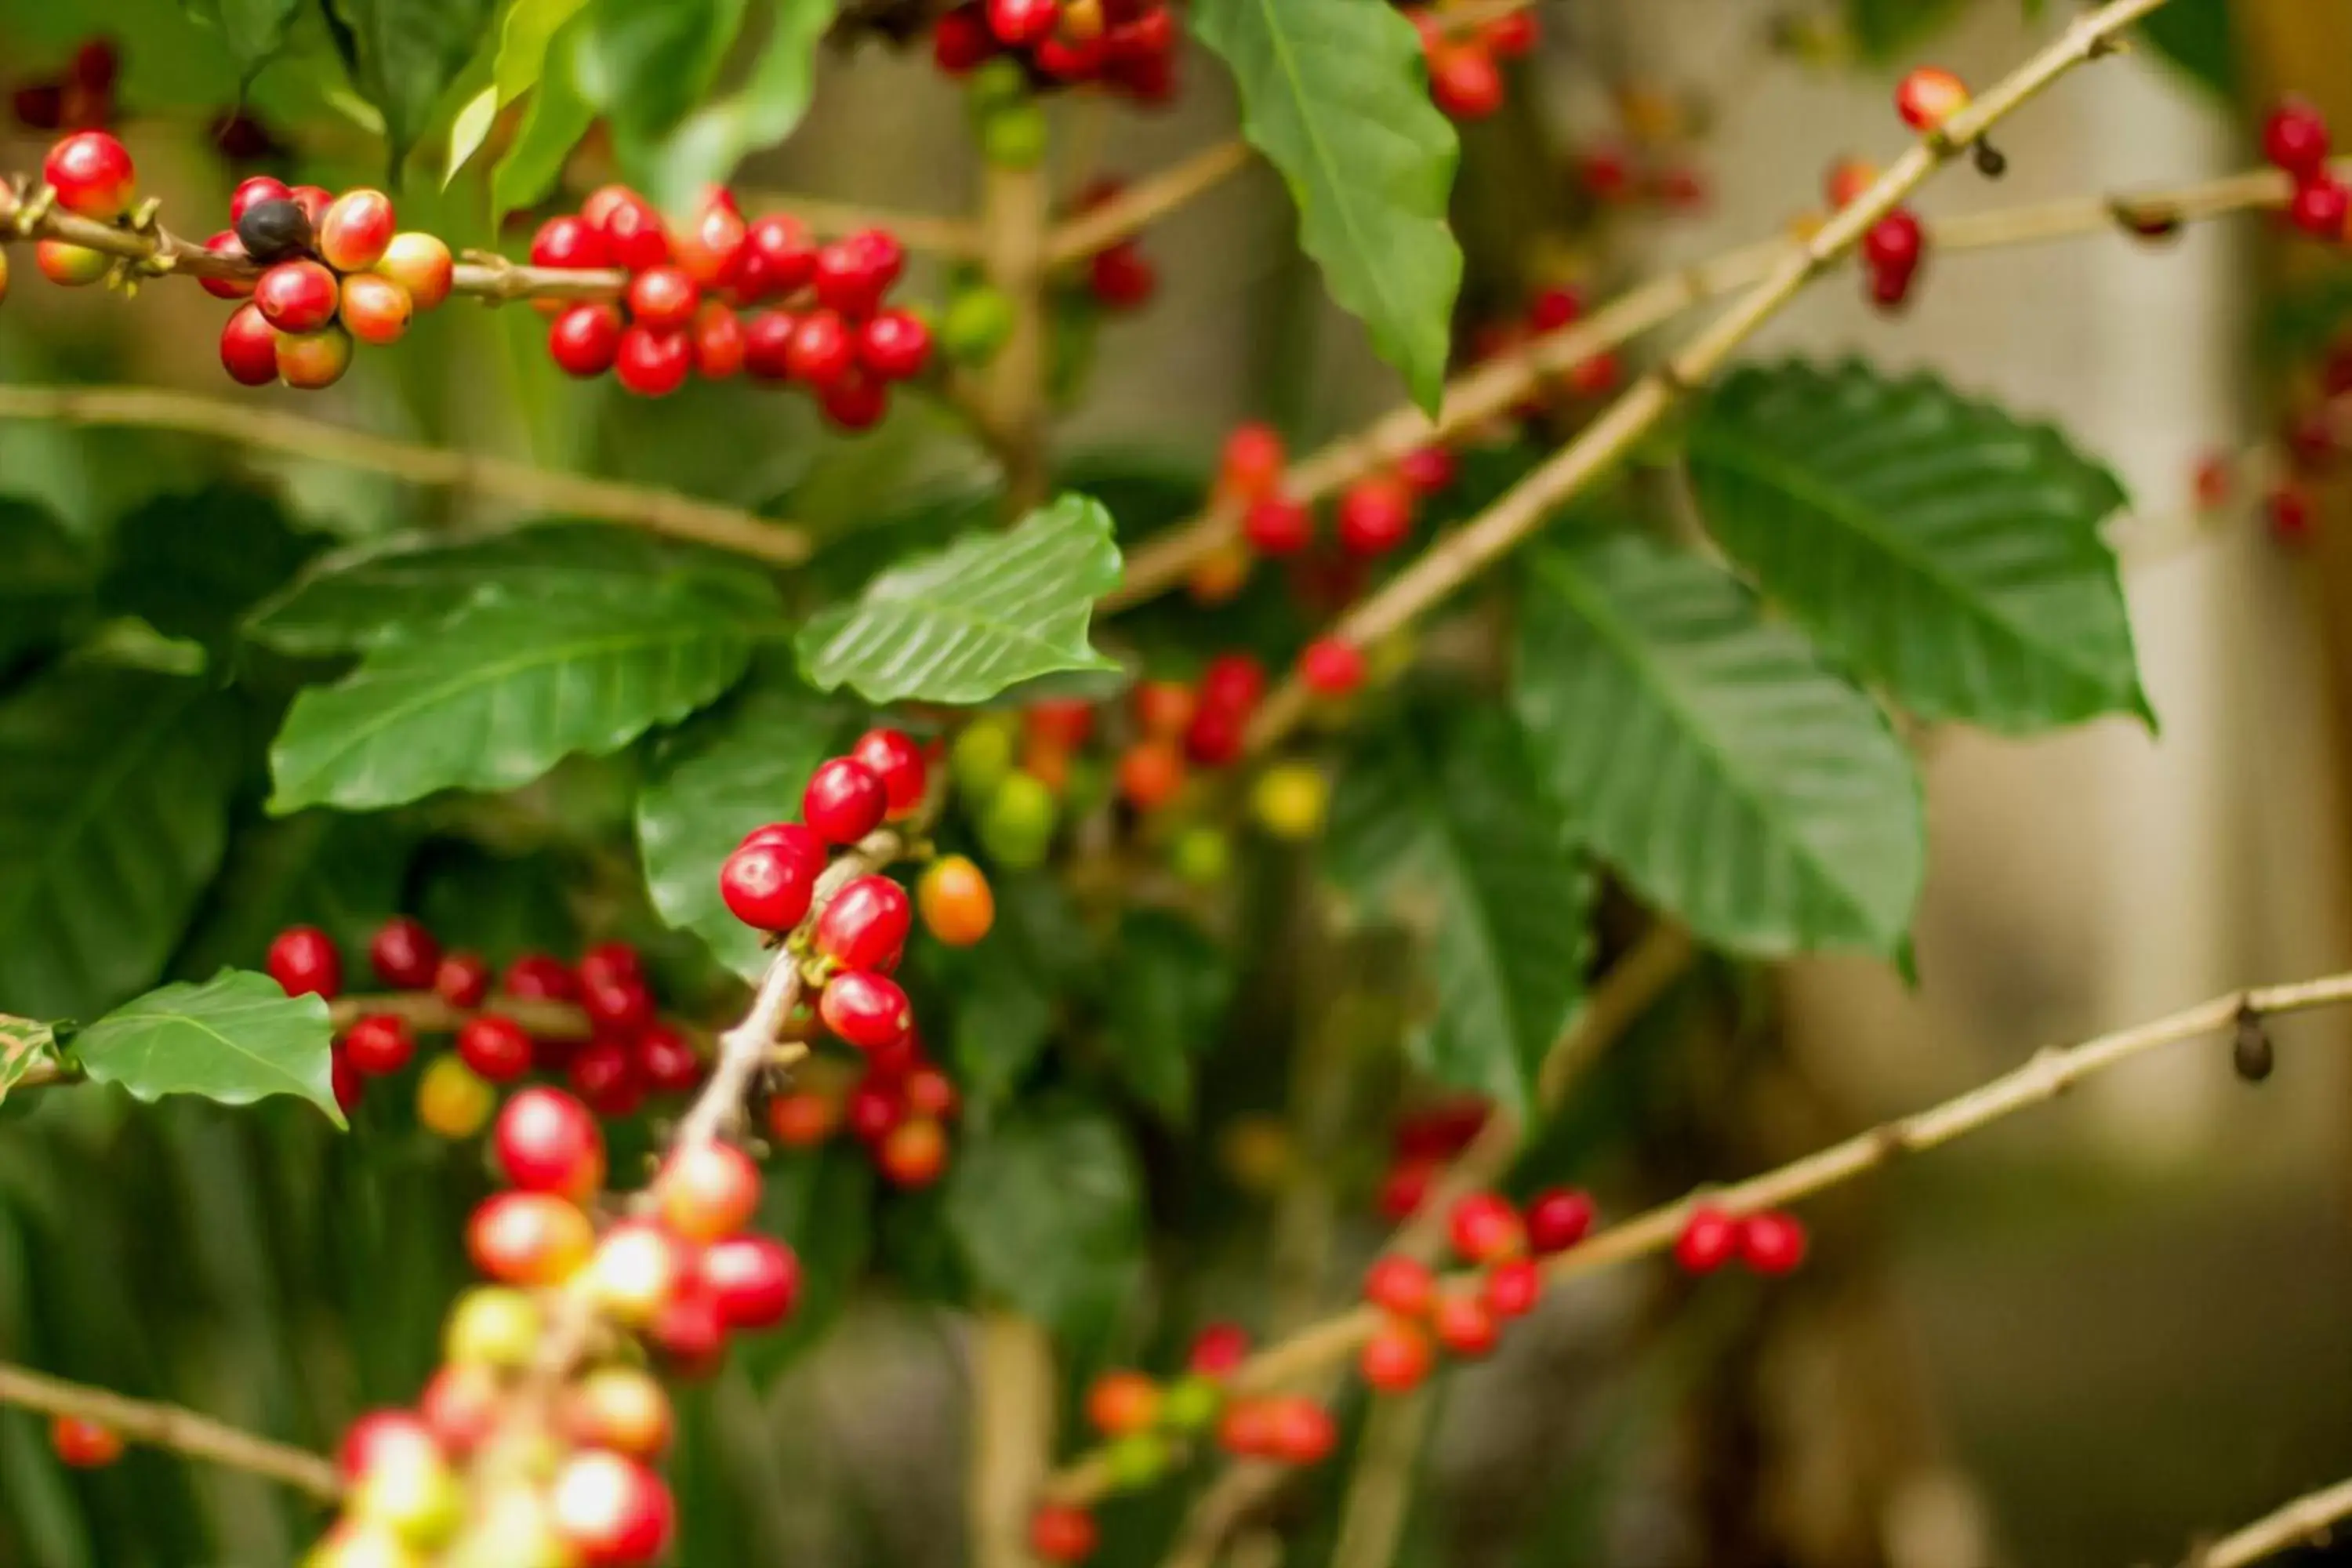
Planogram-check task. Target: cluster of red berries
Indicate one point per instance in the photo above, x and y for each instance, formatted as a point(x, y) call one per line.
point(2295, 139)
point(1420, 1314)
point(336, 271)
point(1119, 277)
point(1552, 308)
point(623, 1054)
point(1128, 47)
point(1615, 174)
point(819, 322)
point(1465, 74)
point(1422, 1144)
point(1768, 1241)
point(79, 98)
point(1373, 516)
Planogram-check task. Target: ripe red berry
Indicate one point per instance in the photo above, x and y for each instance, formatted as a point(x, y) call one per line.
point(462, 979)
point(802, 1118)
point(2319, 207)
point(585, 339)
point(312, 202)
point(1375, 515)
point(756, 1279)
point(1331, 667)
point(91, 172)
point(1710, 1237)
point(1894, 242)
point(1061, 1532)
point(528, 1239)
point(1402, 1285)
point(1428, 469)
point(707, 1190)
point(297, 296)
point(355, 231)
point(1232, 683)
point(892, 757)
point(1463, 1325)
point(778, 258)
point(663, 298)
point(865, 1010)
point(653, 364)
point(225, 243)
point(253, 191)
point(844, 801)
point(1511, 35)
point(1278, 525)
point(914, 1152)
point(667, 1061)
point(421, 264)
point(719, 346)
point(1218, 1349)
point(1485, 1228)
point(1252, 463)
point(1122, 1402)
point(345, 1080)
point(1151, 773)
point(1464, 81)
point(538, 977)
point(617, 1004)
point(894, 344)
point(495, 1045)
point(374, 308)
point(1928, 96)
point(1771, 1242)
point(570, 244)
point(304, 963)
point(1405, 1187)
point(711, 250)
point(611, 1509)
point(404, 955)
point(634, 236)
point(547, 1141)
point(960, 41)
point(822, 349)
point(768, 344)
point(874, 1110)
point(2295, 139)
point(854, 272)
point(604, 1074)
point(856, 402)
point(83, 1444)
point(1299, 1431)
point(1022, 22)
point(1558, 1218)
point(2288, 509)
point(1121, 278)
point(311, 361)
point(1513, 1287)
point(1245, 1429)
point(1397, 1357)
point(378, 1044)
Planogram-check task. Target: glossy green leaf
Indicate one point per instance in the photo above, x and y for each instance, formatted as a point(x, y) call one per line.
point(254, 30)
point(648, 65)
point(388, 588)
point(1046, 1206)
point(560, 110)
point(2197, 35)
point(192, 565)
point(1003, 1016)
point(1334, 93)
point(1170, 984)
point(505, 689)
point(114, 796)
point(405, 53)
point(704, 148)
point(1942, 549)
point(46, 583)
point(1709, 754)
point(234, 1039)
point(1441, 828)
point(721, 774)
point(989, 611)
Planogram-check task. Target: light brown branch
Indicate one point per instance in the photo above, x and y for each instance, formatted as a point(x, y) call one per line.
point(1012, 1435)
point(1523, 509)
point(1380, 1494)
point(1153, 196)
point(656, 510)
point(171, 1426)
point(2307, 1521)
point(2049, 1073)
point(1009, 401)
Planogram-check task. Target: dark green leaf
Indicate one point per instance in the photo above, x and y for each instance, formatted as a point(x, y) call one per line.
point(192, 565)
point(1047, 1207)
point(821, 1203)
point(406, 53)
point(342, 874)
point(675, 166)
point(962, 625)
point(114, 796)
point(234, 1039)
point(720, 775)
point(1170, 985)
point(387, 588)
point(1333, 92)
point(2196, 36)
point(505, 689)
point(647, 64)
point(44, 581)
point(1003, 1014)
point(1709, 755)
point(1941, 547)
point(254, 30)
point(1443, 829)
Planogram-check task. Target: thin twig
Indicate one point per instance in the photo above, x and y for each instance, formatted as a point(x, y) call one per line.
point(1524, 508)
point(2307, 1521)
point(1009, 401)
point(605, 500)
point(2049, 1073)
point(171, 1426)
point(1380, 1494)
point(1153, 196)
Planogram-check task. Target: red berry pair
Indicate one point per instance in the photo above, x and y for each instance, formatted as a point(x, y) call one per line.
point(1768, 1241)
point(1466, 76)
point(2295, 139)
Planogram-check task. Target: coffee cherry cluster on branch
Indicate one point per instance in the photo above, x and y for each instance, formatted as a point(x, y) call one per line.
point(1552, 308)
point(1422, 1314)
point(1767, 1242)
point(1119, 277)
point(817, 317)
point(1465, 64)
point(1123, 47)
point(336, 272)
point(2295, 139)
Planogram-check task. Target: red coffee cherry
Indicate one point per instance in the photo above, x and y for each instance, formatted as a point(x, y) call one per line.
point(1485, 1228)
point(634, 236)
point(914, 1152)
point(765, 886)
point(1558, 1218)
point(711, 251)
point(356, 230)
point(585, 340)
point(404, 955)
point(856, 402)
point(1299, 1431)
point(1121, 278)
point(667, 1060)
point(313, 202)
point(1511, 35)
point(875, 1109)
point(374, 308)
point(618, 1004)
point(304, 963)
point(462, 979)
point(345, 1080)
point(1278, 525)
point(865, 1010)
point(604, 1074)
point(311, 361)
point(547, 1141)
point(755, 1279)
point(570, 243)
point(960, 41)
point(691, 1332)
point(2295, 139)
point(83, 1444)
point(1122, 1402)
point(822, 349)
point(1245, 1429)
point(1252, 462)
point(611, 1508)
point(528, 1239)
point(1464, 81)
point(1218, 1349)
point(538, 977)
point(91, 172)
point(892, 756)
point(421, 264)
point(653, 364)
point(778, 258)
point(708, 1191)
point(844, 801)
point(253, 191)
point(297, 296)
point(1402, 1284)
point(2319, 207)
point(663, 298)
point(1710, 1237)
point(378, 1044)
point(1894, 242)
point(767, 344)
point(1513, 1287)
point(1331, 667)
point(1771, 1242)
point(1061, 1532)
point(1427, 469)
point(894, 344)
point(853, 273)
point(225, 243)
point(1397, 1358)
point(1375, 515)
point(719, 347)
point(802, 1118)
point(495, 1045)
point(1151, 774)
point(1463, 1324)
point(1928, 96)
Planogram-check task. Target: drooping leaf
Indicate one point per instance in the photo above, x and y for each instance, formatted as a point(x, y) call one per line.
point(1441, 827)
point(704, 148)
point(356, 598)
point(1709, 754)
point(963, 624)
point(192, 565)
point(1170, 985)
point(505, 689)
point(562, 108)
point(234, 1039)
point(821, 1203)
point(254, 30)
point(723, 774)
point(1334, 93)
point(405, 53)
point(46, 582)
point(114, 796)
point(1941, 547)
point(2196, 36)
point(648, 65)
point(1047, 1206)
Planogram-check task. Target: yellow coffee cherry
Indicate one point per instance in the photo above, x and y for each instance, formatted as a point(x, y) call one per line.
point(491, 1325)
point(452, 1099)
point(1289, 799)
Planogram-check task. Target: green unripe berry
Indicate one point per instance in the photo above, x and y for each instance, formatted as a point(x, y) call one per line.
point(1202, 855)
point(492, 1326)
point(977, 321)
point(1013, 137)
point(1135, 1461)
point(1017, 827)
point(996, 84)
point(982, 757)
point(1191, 1403)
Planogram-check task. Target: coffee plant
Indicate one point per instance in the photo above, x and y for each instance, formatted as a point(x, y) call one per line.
point(566, 932)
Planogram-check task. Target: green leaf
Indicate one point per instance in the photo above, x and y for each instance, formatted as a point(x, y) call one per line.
point(114, 796)
point(1333, 92)
point(406, 53)
point(233, 1039)
point(2196, 36)
point(343, 874)
point(648, 65)
point(704, 147)
point(1711, 757)
point(355, 599)
point(1003, 1015)
point(505, 689)
point(1171, 984)
point(25, 1044)
point(192, 565)
point(989, 611)
point(1941, 547)
point(254, 30)
point(1885, 30)
point(1046, 1206)
point(1443, 829)
point(46, 584)
point(559, 114)
point(721, 774)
